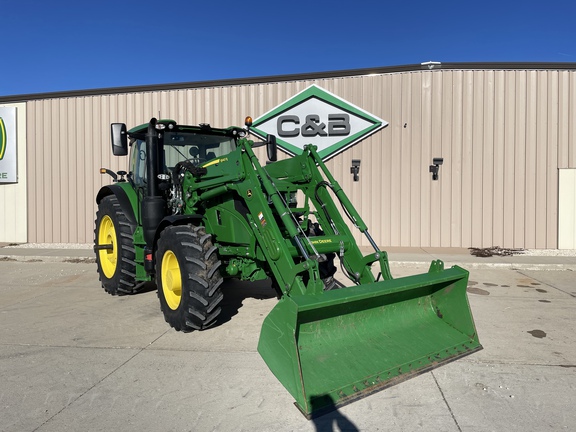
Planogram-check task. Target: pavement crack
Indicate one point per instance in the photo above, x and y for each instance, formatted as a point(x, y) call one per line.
point(446, 402)
point(517, 363)
point(7, 307)
point(546, 284)
point(72, 401)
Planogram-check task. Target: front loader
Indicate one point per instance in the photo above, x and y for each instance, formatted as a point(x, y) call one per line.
point(198, 207)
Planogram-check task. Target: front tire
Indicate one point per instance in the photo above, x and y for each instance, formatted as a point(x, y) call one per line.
point(114, 247)
point(188, 278)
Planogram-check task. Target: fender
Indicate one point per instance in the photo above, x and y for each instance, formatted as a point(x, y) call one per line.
point(194, 219)
point(126, 197)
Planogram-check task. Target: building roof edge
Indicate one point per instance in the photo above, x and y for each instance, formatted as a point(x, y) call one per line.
point(431, 65)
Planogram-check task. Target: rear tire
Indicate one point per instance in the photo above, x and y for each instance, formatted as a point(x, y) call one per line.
point(188, 278)
point(116, 265)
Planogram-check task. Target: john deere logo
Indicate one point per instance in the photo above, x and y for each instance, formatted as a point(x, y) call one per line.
point(2, 138)
point(316, 116)
point(8, 150)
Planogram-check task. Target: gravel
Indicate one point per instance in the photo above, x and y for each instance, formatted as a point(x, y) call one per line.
point(50, 246)
point(549, 252)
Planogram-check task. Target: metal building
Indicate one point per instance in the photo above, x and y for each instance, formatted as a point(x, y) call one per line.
point(506, 134)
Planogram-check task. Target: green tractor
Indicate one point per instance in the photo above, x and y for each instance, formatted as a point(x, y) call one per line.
point(197, 207)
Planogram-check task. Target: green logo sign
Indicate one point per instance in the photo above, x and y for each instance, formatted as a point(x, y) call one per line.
point(2, 138)
point(316, 116)
point(8, 148)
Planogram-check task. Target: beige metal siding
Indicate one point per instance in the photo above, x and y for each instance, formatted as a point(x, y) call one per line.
point(503, 135)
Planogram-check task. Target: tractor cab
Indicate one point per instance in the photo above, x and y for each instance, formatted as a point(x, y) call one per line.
point(195, 144)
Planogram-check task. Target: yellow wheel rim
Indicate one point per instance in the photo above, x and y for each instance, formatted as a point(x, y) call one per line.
point(171, 280)
point(108, 257)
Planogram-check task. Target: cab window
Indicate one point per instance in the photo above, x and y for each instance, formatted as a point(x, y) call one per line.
point(138, 162)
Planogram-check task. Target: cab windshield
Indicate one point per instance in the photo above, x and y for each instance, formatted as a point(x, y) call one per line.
point(194, 147)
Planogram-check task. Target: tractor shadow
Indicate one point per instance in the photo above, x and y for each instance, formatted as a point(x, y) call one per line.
point(146, 287)
point(235, 292)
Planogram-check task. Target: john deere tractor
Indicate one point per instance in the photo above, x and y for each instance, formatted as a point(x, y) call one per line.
point(197, 207)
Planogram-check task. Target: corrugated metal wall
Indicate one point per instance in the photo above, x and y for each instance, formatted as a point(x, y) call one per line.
point(503, 135)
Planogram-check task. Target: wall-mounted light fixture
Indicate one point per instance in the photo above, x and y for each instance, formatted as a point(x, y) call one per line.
point(355, 169)
point(429, 64)
point(436, 167)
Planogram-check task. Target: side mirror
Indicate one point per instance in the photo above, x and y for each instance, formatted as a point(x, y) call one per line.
point(271, 148)
point(119, 139)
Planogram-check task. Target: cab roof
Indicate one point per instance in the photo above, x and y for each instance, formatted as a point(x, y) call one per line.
point(203, 128)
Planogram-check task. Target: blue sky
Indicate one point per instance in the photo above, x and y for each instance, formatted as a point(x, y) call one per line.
point(62, 45)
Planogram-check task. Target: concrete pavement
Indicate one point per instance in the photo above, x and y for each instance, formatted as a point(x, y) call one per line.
point(74, 358)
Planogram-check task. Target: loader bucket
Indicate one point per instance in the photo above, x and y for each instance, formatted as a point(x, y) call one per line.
point(333, 348)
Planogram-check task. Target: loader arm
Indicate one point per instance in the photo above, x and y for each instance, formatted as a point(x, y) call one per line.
point(292, 257)
point(271, 232)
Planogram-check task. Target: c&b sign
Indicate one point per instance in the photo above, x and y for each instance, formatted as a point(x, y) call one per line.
point(316, 116)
